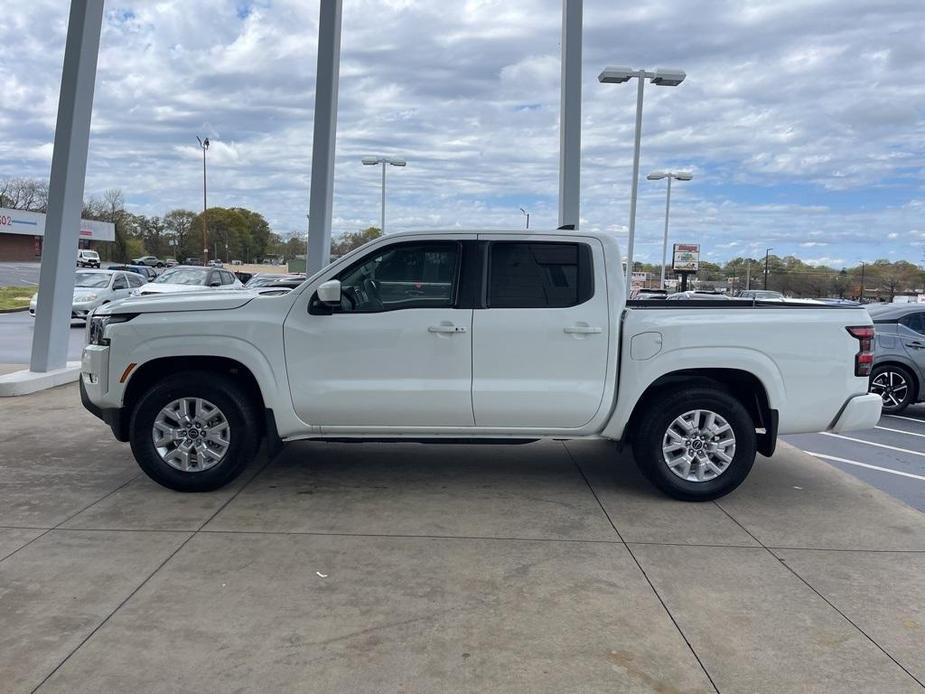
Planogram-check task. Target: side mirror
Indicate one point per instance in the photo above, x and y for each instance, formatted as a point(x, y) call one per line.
point(329, 292)
point(215, 283)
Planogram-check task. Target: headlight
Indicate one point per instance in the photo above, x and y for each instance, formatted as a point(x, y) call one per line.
point(96, 328)
point(83, 298)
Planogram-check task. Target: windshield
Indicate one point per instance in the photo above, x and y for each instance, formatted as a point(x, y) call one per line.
point(92, 279)
point(90, 254)
point(184, 275)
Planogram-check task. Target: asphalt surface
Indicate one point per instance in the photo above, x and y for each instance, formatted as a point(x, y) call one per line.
point(19, 274)
point(890, 457)
point(16, 338)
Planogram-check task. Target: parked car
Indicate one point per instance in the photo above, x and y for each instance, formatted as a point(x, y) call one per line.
point(761, 295)
point(215, 262)
point(699, 296)
point(93, 288)
point(473, 336)
point(193, 261)
point(170, 262)
point(88, 258)
point(899, 354)
point(147, 272)
point(263, 279)
point(186, 279)
point(647, 294)
point(236, 262)
point(149, 260)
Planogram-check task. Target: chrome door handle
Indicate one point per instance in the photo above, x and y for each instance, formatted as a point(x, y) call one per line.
point(583, 330)
point(451, 329)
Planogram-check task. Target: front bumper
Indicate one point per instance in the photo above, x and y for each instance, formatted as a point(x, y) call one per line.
point(94, 388)
point(860, 412)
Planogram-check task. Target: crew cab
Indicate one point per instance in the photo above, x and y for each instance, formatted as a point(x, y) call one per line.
point(473, 336)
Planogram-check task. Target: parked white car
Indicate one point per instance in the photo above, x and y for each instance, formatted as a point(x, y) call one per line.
point(501, 336)
point(94, 288)
point(188, 278)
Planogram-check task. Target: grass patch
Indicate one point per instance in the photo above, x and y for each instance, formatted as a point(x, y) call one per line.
point(15, 297)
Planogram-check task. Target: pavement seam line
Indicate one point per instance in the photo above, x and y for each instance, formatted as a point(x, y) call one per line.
point(72, 516)
point(149, 577)
point(652, 587)
point(822, 597)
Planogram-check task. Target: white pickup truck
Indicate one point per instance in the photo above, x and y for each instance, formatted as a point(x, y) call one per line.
point(473, 336)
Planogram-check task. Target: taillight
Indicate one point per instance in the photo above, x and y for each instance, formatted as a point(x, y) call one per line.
point(864, 359)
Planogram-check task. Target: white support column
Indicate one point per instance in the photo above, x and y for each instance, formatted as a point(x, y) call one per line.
point(66, 187)
point(325, 133)
point(570, 114)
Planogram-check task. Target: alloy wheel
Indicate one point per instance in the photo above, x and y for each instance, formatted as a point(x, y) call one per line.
point(191, 434)
point(891, 386)
point(698, 446)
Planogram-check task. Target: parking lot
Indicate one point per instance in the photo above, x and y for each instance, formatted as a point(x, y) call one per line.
point(543, 567)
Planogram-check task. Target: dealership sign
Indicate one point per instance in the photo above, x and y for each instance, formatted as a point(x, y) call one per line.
point(33, 224)
point(686, 257)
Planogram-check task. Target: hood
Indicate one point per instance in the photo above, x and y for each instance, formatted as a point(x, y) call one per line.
point(205, 300)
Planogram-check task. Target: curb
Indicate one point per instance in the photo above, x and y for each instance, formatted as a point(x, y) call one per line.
point(14, 310)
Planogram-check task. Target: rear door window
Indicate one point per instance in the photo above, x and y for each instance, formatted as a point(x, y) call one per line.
point(539, 274)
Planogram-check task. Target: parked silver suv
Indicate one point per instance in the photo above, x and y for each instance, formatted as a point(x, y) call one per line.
point(899, 354)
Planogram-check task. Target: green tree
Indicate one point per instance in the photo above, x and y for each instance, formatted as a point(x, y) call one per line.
point(347, 242)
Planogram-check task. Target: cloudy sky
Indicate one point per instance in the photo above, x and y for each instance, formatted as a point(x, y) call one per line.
point(802, 120)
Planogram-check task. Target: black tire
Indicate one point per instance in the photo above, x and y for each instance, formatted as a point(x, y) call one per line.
point(885, 380)
point(234, 404)
point(653, 428)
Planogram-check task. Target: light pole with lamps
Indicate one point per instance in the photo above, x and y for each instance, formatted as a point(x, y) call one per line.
point(657, 176)
point(204, 146)
point(383, 161)
point(662, 78)
point(527, 215)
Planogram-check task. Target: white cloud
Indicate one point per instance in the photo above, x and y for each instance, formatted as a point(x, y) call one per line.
point(799, 118)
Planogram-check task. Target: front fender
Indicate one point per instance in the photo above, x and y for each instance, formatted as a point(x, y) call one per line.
point(246, 353)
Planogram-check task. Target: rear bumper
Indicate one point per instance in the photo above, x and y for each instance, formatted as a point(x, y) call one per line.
point(860, 412)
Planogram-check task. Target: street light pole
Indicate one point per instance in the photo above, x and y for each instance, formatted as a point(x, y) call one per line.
point(204, 146)
point(662, 78)
point(767, 255)
point(862, 281)
point(527, 215)
point(680, 176)
point(383, 161)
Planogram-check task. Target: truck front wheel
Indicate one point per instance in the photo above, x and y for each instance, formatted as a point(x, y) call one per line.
point(697, 446)
point(194, 431)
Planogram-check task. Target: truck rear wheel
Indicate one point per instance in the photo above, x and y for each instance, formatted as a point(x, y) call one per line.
point(697, 447)
point(194, 431)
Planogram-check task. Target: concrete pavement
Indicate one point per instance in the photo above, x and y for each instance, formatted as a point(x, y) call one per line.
point(547, 567)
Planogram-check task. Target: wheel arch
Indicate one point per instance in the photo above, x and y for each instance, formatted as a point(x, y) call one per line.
point(151, 371)
point(742, 385)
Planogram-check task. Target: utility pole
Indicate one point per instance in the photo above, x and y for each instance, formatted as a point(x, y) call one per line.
point(767, 255)
point(861, 295)
point(204, 146)
point(748, 273)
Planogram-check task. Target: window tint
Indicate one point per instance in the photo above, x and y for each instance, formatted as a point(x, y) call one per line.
point(135, 280)
point(119, 282)
point(227, 278)
point(914, 321)
point(409, 275)
point(539, 275)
